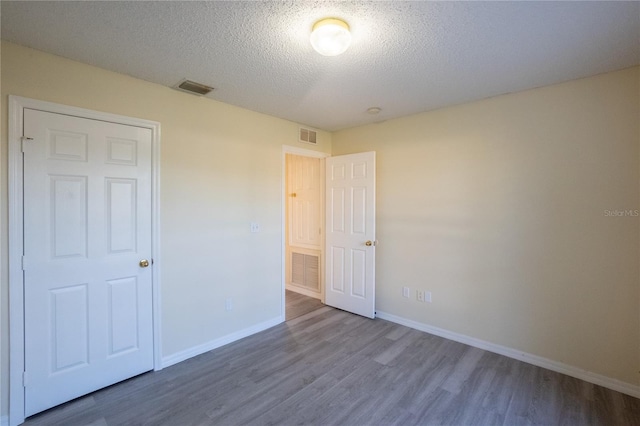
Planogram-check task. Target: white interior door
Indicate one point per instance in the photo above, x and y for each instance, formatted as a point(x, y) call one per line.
point(350, 237)
point(304, 201)
point(87, 227)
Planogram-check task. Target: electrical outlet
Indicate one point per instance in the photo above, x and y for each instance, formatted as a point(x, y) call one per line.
point(228, 304)
point(255, 227)
point(423, 296)
point(405, 292)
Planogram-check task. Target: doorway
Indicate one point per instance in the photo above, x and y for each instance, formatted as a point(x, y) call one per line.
point(343, 260)
point(303, 245)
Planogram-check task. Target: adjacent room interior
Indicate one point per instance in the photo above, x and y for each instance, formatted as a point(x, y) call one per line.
point(493, 211)
point(303, 231)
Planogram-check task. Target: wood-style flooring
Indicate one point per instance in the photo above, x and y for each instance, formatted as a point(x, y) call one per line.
point(298, 305)
point(329, 367)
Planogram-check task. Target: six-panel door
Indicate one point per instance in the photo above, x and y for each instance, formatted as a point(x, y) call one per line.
point(350, 238)
point(87, 226)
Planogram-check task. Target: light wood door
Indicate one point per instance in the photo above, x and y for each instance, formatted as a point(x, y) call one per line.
point(350, 238)
point(87, 227)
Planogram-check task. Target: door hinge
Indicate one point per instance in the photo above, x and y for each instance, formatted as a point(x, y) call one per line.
point(24, 139)
point(24, 379)
point(24, 263)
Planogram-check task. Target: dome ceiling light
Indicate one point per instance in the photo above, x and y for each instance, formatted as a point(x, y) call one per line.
point(330, 36)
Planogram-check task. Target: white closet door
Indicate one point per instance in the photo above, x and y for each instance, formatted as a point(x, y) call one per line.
point(87, 231)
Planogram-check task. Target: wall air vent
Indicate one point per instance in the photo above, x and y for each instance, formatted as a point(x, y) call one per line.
point(308, 136)
point(305, 271)
point(192, 87)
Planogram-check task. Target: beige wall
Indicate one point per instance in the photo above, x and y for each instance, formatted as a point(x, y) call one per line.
point(498, 208)
point(221, 169)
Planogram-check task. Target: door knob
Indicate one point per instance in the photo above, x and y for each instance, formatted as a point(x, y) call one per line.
point(368, 243)
point(144, 263)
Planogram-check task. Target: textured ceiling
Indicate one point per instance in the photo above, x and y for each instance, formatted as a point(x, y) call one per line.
point(406, 57)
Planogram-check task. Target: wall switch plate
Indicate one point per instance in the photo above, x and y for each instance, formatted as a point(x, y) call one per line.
point(427, 296)
point(228, 304)
point(255, 227)
point(420, 295)
point(405, 292)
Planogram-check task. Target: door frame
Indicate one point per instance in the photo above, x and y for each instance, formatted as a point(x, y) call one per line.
point(287, 149)
point(15, 206)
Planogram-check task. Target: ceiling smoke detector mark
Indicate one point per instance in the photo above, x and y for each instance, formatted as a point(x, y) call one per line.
point(308, 136)
point(192, 87)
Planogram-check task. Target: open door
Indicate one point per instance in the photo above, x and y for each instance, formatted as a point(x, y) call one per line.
point(351, 235)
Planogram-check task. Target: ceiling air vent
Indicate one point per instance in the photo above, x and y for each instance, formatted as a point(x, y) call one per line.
point(308, 136)
point(194, 88)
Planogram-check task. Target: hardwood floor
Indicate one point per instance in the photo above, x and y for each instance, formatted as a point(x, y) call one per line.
point(329, 367)
point(298, 305)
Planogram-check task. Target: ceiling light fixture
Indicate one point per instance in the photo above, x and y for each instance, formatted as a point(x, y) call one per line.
point(330, 36)
point(374, 110)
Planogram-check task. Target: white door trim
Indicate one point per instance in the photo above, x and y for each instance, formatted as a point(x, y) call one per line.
point(287, 149)
point(17, 105)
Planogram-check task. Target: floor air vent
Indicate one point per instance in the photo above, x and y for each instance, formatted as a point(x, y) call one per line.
point(305, 271)
point(194, 88)
point(308, 136)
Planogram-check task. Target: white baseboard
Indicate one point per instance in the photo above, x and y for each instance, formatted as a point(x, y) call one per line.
point(229, 338)
point(559, 367)
point(4, 421)
point(303, 291)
